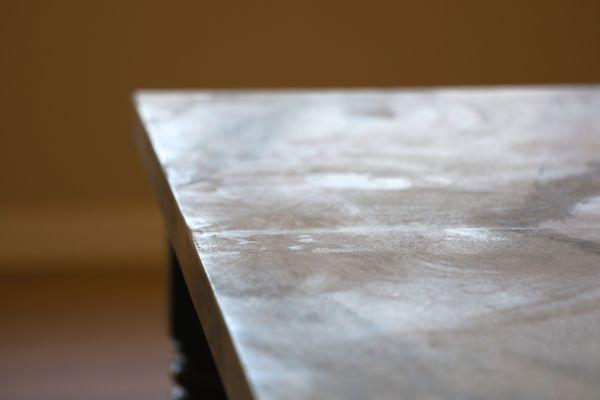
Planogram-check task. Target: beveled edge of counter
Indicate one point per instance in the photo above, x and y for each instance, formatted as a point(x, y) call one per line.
point(222, 347)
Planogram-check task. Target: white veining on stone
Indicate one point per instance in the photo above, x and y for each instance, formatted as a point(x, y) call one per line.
point(588, 207)
point(358, 181)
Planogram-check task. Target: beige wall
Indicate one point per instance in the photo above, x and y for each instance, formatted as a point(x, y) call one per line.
point(71, 189)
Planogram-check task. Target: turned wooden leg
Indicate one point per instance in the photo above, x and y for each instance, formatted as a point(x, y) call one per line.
point(194, 372)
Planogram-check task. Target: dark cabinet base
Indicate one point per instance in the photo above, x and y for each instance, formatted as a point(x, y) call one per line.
point(193, 369)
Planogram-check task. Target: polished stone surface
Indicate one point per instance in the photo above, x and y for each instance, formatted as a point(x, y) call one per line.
point(422, 244)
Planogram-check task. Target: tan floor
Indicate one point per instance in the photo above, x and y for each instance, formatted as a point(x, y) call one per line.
point(84, 335)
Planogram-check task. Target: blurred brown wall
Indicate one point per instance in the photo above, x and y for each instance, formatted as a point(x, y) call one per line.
point(71, 190)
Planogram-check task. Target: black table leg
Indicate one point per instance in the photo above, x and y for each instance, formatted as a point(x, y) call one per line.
point(194, 372)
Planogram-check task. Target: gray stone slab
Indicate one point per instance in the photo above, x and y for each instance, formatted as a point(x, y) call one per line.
point(418, 244)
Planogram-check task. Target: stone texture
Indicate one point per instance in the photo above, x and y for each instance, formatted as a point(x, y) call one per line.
point(436, 244)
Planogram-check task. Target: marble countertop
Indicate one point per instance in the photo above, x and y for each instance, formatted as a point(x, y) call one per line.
point(386, 244)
